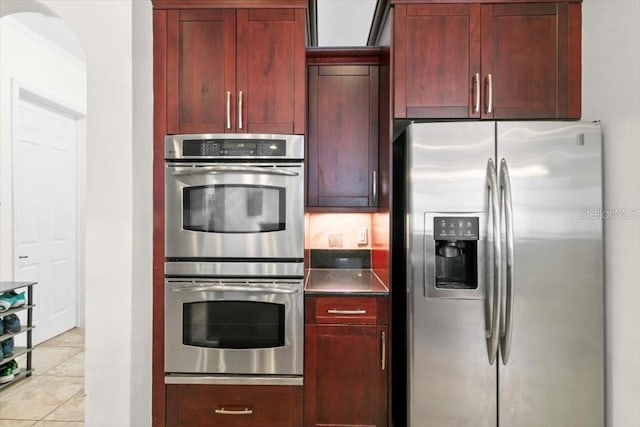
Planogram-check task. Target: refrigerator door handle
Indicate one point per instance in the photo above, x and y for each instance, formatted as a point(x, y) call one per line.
point(506, 203)
point(493, 333)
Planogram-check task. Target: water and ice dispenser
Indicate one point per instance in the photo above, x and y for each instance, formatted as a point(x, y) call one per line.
point(456, 252)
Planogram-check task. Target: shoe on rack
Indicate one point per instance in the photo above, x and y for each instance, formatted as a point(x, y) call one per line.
point(20, 300)
point(11, 299)
point(1, 354)
point(5, 302)
point(10, 323)
point(6, 373)
point(7, 347)
point(14, 367)
point(2, 327)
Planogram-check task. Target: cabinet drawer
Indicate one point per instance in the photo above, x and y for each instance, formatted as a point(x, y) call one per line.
point(350, 310)
point(234, 406)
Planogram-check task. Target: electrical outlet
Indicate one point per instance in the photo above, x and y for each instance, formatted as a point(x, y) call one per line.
point(335, 240)
point(361, 236)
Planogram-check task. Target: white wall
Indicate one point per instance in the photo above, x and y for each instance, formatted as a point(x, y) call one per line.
point(344, 22)
point(109, 205)
point(611, 93)
point(53, 72)
point(142, 296)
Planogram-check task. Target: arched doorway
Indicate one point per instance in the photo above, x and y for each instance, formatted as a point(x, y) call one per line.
point(42, 153)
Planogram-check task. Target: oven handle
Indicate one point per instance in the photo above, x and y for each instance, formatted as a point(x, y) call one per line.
point(268, 170)
point(234, 288)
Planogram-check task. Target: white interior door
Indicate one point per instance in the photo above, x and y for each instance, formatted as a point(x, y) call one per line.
point(44, 213)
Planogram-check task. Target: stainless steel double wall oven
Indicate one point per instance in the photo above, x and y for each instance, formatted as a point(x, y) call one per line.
point(234, 241)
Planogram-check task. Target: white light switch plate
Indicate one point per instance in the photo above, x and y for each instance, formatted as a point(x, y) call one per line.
point(361, 236)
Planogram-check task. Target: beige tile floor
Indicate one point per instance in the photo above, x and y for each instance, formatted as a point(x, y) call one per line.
point(54, 395)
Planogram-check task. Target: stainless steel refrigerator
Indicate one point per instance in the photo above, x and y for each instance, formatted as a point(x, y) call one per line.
point(504, 274)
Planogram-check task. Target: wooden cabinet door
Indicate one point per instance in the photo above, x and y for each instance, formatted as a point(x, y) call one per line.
point(271, 71)
point(532, 53)
point(201, 70)
point(345, 383)
point(343, 136)
point(437, 60)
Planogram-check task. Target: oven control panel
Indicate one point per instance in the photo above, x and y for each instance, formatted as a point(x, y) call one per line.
point(233, 148)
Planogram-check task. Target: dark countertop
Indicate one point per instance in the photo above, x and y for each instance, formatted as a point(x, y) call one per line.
point(325, 281)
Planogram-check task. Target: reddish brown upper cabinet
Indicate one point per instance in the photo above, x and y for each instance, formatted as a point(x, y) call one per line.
point(343, 137)
point(346, 361)
point(487, 61)
point(235, 70)
point(436, 54)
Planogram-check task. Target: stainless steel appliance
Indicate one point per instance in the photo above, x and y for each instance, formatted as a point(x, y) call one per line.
point(504, 273)
point(233, 198)
point(252, 327)
point(234, 242)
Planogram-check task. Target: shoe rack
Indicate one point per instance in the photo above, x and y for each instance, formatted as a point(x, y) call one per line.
point(23, 371)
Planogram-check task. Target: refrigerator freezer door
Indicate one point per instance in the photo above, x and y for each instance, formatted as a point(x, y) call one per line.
point(450, 379)
point(555, 373)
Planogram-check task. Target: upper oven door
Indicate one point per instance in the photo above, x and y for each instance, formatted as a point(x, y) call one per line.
point(233, 210)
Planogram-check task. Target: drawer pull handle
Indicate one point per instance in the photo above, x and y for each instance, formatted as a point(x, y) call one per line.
point(334, 311)
point(245, 411)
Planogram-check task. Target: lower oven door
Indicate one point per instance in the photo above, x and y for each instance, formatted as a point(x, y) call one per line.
point(250, 327)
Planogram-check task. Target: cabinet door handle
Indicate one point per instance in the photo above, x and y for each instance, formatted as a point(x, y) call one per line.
point(240, 110)
point(476, 84)
point(489, 94)
point(245, 411)
point(228, 110)
point(336, 311)
point(374, 188)
point(384, 351)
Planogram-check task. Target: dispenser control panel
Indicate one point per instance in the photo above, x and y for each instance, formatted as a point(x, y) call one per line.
point(455, 228)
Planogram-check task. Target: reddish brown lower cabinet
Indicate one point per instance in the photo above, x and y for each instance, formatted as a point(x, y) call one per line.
point(346, 361)
point(199, 405)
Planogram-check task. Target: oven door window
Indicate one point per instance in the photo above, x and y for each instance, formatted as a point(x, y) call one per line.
point(234, 208)
point(233, 324)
